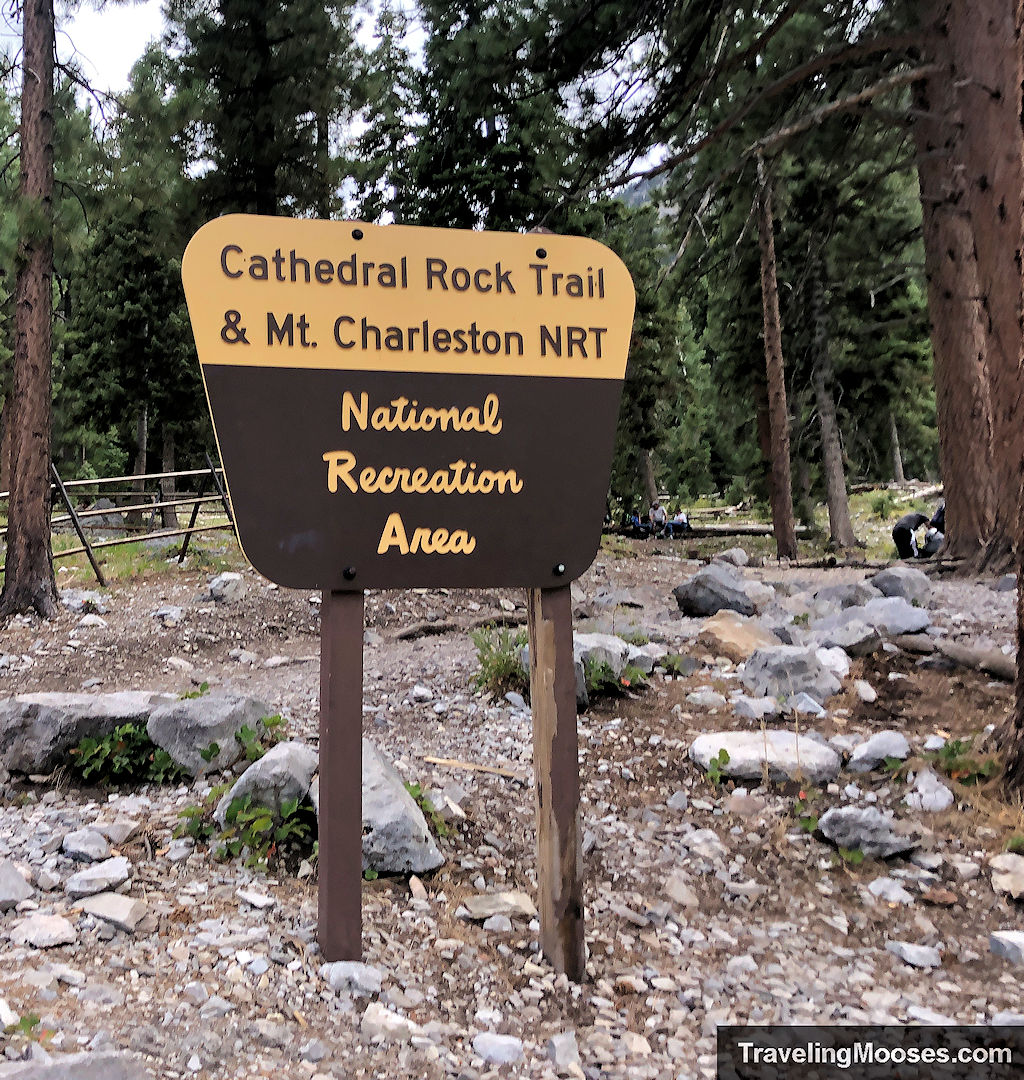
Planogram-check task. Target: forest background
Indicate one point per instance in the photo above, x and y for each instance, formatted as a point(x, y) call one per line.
point(820, 204)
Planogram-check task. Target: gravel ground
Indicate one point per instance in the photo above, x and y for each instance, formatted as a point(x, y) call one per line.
point(705, 904)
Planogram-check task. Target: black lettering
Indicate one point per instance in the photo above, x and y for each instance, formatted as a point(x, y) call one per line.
point(442, 341)
point(337, 331)
point(555, 340)
point(258, 268)
point(295, 261)
point(369, 328)
point(503, 279)
point(460, 279)
point(539, 269)
point(437, 268)
point(324, 271)
point(280, 330)
point(278, 260)
point(576, 336)
point(224, 261)
point(597, 331)
point(367, 267)
point(477, 278)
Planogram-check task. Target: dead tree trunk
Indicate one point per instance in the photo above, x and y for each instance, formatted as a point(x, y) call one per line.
point(840, 526)
point(29, 582)
point(647, 476)
point(897, 454)
point(778, 413)
point(134, 517)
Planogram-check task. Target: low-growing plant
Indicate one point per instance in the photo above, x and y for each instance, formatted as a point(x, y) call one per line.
point(1016, 844)
point(429, 810)
point(716, 765)
point(203, 688)
point(125, 754)
point(674, 664)
point(955, 760)
point(252, 831)
point(497, 652)
point(883, 504)
point(601, 681)
point(851, 856)
point(803, 805)
point(635, 637)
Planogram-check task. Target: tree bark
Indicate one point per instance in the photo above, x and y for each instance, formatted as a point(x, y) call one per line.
point(778, 414)
point(5, 443)
point(963, 393)
point(988, 68)
point(650, 481)
point(28, 581)
point(897, 454)
point(134, 517)
point(168, 514)
point(840, 526)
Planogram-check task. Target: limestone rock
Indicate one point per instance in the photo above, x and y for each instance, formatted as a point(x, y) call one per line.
point(866, 828)
point(711, 589)
point(601, 649)
point(1008, 874)
point(187, 728)
point(283, 773)
point(37, 730)
point(514, 904)
point(786, 670)
point(729, 634)
point(906, 581)
point(96, 1066)
point(353, 977)
point(1009, 944)
point(228, 587)
point(124, 912)
point(43, 932)
point(85, 845)
point(919, 956)
point(930, 794)
point(100, 877)
point(379, 1022)
point(787, 755)
point(872, 753)
point(396, 839)
point(13, 887)
point(498, 1049)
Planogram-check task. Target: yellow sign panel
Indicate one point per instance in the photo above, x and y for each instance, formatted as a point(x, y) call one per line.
point(277, 292)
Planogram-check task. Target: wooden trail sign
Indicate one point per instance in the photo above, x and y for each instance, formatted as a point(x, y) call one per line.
point(401, 407)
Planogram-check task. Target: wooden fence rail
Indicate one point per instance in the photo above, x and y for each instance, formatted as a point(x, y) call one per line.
point(78, 517)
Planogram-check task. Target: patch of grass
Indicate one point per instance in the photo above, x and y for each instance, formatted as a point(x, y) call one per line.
point(635, 637)
point(674, 664)
point(1016, 844)
point(851, 856)
point(883, 504)
point(497, 652)
point(956, 761)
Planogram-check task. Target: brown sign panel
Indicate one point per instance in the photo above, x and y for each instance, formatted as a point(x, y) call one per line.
point(400, 407)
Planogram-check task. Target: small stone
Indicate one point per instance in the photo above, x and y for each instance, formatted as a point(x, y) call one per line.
point(635, 1044)
point(124, 912)
point(930, 794)
point(195, 992)
point(422, 693)
point(498, 1049)
point(1008, 874)
point(85, 845)
point(43, 932)
point(352, 977)
point(890, 890)
point(215, 1008)
point(498, 924)
point(379, 1022)
point(677, 889)
point(13, 887)
point(99, 878)
point(919, 956)
point(118, 831)
point(313, 1051)
point(563, 1050)
point(417, 890)
point(8, 1017)
point(866, 828)
point(872, 753)
point(706, 699)
point(258, 900)
point(865, 691)
point(228, 587)
point(939, 897)
point(630, 984)
point(513, 904)
point(1008, 944)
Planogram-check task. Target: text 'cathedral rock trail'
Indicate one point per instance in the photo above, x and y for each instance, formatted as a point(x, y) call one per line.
point(397, 406)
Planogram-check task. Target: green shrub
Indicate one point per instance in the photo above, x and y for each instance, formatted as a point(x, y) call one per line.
point(126, 754)
point(497, 652)
point(883, 504)
point(429, 810)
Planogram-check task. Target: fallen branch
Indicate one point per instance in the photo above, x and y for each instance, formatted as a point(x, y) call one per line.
point(453, 763)
point(991, 661)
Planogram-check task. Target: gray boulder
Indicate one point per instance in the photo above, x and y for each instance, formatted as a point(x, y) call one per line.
point(38, 730)
point(579, 672)
point(711, 589)
point(836, 597)
point(396, 839)
point(786, 670)
point(854, 637)
point(736, 556)
point(786, 755)
point(228, 587)
point(601, 649)
point(186, 728)
point(905, 581)
point(98, 878)
point(97, 1066)
point(283, 773)
point(892, 616)
point(866, 828)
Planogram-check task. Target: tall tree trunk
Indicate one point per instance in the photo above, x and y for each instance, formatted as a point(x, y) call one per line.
point(29, 582)
point(650, 481)
point(897, 454)
point(963, 393)
point(323, 158)
point(134, 517)
point(1014, 737)
point(6, 419)
point(984, 38)
point(778, 413)
point(168, 514)
point(836, 498)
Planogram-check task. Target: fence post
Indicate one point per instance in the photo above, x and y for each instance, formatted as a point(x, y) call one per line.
point(78, 525)
point(220, 490)
point(192, 520)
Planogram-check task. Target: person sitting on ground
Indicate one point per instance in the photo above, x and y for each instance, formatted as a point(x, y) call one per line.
point(936, 532)
point(658, 519)
point(680, 523)
point(903, 534)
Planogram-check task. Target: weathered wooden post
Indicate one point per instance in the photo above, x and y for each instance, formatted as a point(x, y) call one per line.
point(399, 407)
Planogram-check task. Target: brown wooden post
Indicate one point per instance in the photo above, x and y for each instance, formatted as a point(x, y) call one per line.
point(557, 781)
point(340, 862)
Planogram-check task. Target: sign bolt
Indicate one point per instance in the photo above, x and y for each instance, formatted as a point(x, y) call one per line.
point(348, 573)
point(559, 569)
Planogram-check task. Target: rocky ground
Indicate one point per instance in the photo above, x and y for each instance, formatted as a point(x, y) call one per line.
point(706, 903)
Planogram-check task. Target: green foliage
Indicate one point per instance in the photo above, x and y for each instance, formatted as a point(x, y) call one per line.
point(429, 811)
point(497, 653)
point(883, 504)
point(956, 761)
point(202, 689)
point(716, 765)
point(601, 681)
point(1015, 844)
point(635, 637)
point(803, 808)
point(674, 664)
point(125, 755)
point(252, 831)
point(851, 856)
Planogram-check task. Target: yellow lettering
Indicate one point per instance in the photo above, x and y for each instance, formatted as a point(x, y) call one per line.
point(350, 410)
point(339, 467)
point(393, 536)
